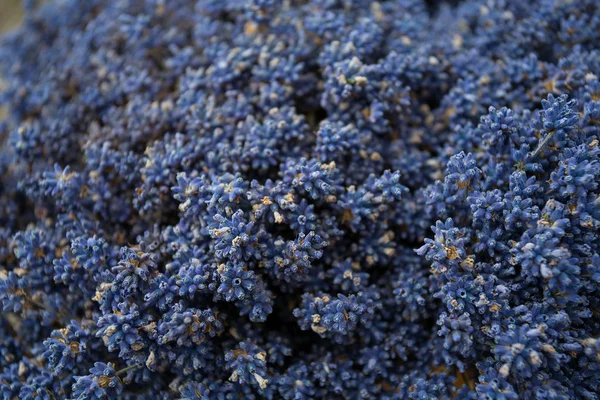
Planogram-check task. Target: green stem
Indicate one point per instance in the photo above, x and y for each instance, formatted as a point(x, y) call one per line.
point(543, 144)
point(127, 369)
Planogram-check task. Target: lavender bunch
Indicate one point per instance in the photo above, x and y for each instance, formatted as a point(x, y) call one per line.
point(316, 199)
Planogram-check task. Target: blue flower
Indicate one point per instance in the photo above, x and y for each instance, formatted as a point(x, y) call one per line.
point(67, 348)
point(235, 238)
point(102, 382)
point(190, 326)
point(247, 364)
point(236, 283)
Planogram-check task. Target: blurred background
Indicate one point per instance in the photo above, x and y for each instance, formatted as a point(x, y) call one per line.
point(10, 14)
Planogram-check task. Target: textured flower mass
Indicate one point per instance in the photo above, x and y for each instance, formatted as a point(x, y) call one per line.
point(315, 199)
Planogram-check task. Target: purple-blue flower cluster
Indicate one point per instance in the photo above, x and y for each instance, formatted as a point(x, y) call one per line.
point(316, 199)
